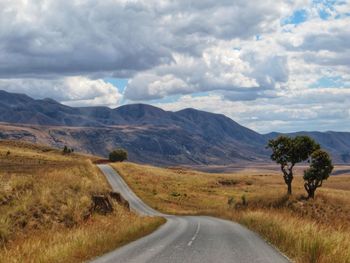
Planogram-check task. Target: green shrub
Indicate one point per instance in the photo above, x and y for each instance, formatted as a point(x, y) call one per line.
point(118, 155)
point(67, 150)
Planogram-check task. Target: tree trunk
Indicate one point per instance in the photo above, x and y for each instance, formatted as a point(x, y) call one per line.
point(310, 189)
point(289, 188)
point(311, 194)
point(288, 177)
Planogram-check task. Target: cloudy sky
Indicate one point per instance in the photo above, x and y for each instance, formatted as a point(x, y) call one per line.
point(270, 65)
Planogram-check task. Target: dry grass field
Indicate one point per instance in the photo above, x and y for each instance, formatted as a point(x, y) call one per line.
point(306, 230)
point(45, 208)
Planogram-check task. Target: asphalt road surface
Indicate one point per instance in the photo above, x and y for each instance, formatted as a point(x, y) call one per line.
point(189, 239)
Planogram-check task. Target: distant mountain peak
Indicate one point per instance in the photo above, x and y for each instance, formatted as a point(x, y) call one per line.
point(4, 95)
point(50, 101)
point(192, 111)
point(150, 134)
point(139, 106)
point(140, 111)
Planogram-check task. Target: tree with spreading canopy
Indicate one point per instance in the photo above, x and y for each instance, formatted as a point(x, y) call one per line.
point(118, 155)
point(287, 152)
point(320, 168)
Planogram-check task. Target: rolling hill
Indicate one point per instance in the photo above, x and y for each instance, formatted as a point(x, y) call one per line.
point(150, 134)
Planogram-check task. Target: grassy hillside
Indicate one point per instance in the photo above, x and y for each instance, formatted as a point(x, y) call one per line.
point(307, 231)
point(45, 201)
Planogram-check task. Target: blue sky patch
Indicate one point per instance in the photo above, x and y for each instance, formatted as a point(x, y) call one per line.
point(328, 82)
point(326, 7)
point(298, 17)
point(119, 83)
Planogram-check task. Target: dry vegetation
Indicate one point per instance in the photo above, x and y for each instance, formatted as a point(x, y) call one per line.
point(307, 231)
point(45, 208)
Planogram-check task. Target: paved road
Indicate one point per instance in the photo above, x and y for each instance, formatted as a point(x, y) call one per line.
point(189, 239)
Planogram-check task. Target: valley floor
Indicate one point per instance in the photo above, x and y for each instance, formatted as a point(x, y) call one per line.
point(45, 208)
point(307, 231)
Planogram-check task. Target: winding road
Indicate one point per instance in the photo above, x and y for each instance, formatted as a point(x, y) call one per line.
point(189, 239)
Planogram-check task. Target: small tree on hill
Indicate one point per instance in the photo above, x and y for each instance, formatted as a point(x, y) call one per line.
point(67, 150)
point(288, 151)
point(320, 168)
point(118, 155)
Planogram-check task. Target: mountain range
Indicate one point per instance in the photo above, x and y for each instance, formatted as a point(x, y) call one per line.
point(150, 134)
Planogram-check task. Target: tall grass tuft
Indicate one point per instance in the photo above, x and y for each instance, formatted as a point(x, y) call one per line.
point(303, 240)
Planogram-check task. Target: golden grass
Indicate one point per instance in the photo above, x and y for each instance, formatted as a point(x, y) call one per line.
point(45, 201)
point(97, 236)
point(303, 240)
point(307, 231)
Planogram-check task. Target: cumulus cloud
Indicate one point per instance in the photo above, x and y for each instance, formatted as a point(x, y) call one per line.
point(73, 91)
point(220, 68)
point(320, 110)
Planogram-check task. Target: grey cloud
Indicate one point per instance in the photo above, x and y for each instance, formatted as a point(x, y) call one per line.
point(270, 71)
point(117, 37)
point(68, 38)
point(225, 19)
point(337, 42)
point(328, 59)
point(248, 95)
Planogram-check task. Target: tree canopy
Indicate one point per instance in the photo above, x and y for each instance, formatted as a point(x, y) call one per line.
point(289, 151)
point(320, 168)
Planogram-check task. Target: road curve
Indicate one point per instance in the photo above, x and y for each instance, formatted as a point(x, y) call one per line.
point(189, 239)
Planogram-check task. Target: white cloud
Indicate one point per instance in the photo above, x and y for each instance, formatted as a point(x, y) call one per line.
point(73, 91)
point(219, 68)
point(317, 109)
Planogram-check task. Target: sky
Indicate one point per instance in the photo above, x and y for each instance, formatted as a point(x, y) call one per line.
point(269, 65)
